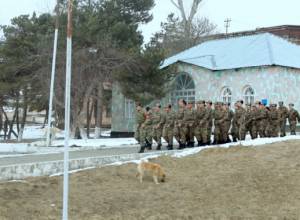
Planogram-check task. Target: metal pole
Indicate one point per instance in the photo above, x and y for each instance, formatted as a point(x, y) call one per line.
point(52, 76)
point(67, 112)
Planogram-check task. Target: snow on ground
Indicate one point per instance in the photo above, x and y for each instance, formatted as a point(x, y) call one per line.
point(38, 132)
point(190, 151)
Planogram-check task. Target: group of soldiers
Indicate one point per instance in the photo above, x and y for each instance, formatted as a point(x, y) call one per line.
point(202, 120)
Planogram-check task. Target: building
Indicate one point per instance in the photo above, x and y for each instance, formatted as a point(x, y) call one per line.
point(288, 32)
point(252, 67)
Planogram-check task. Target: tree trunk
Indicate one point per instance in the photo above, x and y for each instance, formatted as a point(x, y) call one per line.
point(24, 116)
point(99, 110)
point(17, 115)
point(46, 118)
point(88, 119)
point(11, 125)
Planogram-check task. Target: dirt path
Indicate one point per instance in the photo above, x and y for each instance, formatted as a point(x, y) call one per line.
point(236, 183)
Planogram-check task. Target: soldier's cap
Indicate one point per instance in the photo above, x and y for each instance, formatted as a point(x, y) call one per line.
point(209, 102)
point(201, 102)
point(258, 102)
point(291, 104)
point(228, 103)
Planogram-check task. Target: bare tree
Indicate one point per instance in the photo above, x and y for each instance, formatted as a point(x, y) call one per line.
point(187, 18)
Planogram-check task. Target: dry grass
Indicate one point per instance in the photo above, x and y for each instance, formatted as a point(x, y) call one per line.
point(234, 183)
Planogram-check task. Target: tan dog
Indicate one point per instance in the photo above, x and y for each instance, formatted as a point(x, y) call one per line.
point(155, 169)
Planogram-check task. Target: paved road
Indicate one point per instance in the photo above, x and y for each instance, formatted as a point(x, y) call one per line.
point(31, 158)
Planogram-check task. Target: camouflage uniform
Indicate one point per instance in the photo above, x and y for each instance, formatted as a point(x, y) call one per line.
point(157, 128)
point(140, 118)
point(209, 123)
point(201, 124)
point(293, 117)
point(187, 136)
point(283, 115)
point(234, 128)
point(273, 121)
point(252, 122)
point(268, 131)
point(262, 116)
point(146, 134)
point(178, 128)
point(227, 123)
point(240, 115)
point(219, 116)
point(168, 128)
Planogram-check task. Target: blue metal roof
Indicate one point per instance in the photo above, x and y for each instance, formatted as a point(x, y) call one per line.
point(239, 52)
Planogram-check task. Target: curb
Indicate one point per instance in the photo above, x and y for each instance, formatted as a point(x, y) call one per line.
point(22, 171)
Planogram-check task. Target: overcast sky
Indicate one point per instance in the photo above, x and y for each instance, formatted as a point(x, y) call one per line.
point(245, 14)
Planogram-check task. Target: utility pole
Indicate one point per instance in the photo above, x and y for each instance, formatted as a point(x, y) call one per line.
point(227, 24)
point(67, 112)
point(52, 75)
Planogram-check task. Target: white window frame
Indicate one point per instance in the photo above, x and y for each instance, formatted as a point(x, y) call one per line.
point(129, 108)
point(249, 95)
point(187, 94)
point(226, 95)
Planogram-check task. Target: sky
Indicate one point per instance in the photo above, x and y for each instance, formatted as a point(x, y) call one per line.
point(245, 14)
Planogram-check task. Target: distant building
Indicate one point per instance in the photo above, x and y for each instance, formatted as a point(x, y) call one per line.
point(288, 32)
point(252, 67)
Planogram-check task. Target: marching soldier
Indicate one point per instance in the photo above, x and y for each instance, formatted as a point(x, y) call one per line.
point(201, 123)
point(268, 131)
point(178, 128)
point(146, 134)
point(293, 117)
point(234, 129)
point(283, 113)
point(273, 121)
point(261, 119)
point(219, 116)
point(157, 125)
point(209, 123)
point(140, 118)
point(253, 122)
point(240, 115)
point(227, 123)
point(168, 128)
point(189, 116)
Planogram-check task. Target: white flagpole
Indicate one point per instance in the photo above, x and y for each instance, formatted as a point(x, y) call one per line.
point(52, 77)
point(67, 112)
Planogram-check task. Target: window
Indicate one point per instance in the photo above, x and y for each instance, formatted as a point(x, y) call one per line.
point(249, 95)
point(129, 108)
point(184, 89)
point(226, 95)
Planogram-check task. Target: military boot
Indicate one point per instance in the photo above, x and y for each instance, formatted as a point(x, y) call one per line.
point(143, 147)
point(170, 147)
point(158, 147)
point(148, 145)
point(181, 146)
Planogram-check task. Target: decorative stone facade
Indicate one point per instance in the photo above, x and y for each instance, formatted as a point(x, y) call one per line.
point(273, 83)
